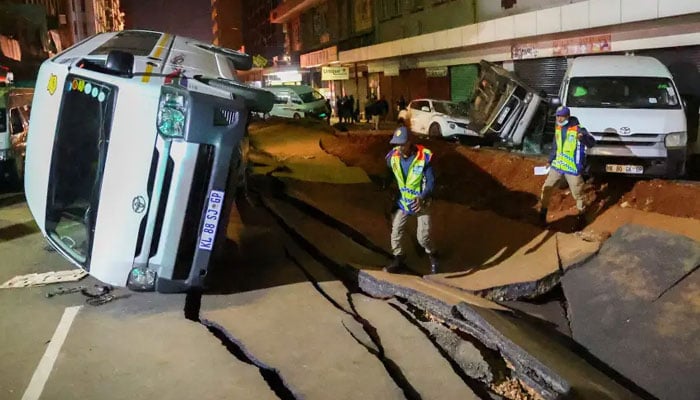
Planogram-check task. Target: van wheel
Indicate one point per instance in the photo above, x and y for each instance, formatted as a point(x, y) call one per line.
point(434, 131)
point(297, 116)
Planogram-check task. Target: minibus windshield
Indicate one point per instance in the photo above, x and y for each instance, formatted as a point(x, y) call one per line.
point(623, 92)
point(77, 164)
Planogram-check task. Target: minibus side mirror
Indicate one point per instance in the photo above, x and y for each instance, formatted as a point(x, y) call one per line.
point(120, 62)
point(555, 101)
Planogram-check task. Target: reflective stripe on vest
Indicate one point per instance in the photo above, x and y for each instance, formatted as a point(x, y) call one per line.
point(410, 186)
point(567, 150)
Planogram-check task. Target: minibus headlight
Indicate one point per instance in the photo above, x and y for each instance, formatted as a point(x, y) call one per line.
point(172, 113)
point(676, 139)
point(141, 279)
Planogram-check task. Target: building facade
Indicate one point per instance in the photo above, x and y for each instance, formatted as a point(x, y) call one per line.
point(431, 48)
point(227, 23)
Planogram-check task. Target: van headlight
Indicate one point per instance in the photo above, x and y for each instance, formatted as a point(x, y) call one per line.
point(676, 139)
point(172, 112)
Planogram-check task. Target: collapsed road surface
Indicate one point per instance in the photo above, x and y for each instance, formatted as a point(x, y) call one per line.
point(298, 309)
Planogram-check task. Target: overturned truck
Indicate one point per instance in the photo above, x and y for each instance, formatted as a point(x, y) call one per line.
point(127, 170)
point(506, 111)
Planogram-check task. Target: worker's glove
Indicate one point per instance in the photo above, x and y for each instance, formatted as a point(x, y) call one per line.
point(416, 205)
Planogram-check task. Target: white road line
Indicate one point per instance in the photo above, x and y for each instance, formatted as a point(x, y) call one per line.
point(43, 370)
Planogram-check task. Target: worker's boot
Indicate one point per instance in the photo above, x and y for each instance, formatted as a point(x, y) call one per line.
point(543, 217)
point(395, 265)
point(580, 222)
point(434, 263)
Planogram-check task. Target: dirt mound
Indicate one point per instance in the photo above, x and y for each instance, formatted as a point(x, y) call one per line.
point(485, 178)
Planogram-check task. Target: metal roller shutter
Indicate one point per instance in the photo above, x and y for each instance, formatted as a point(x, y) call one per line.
point(680, 61)
point(462, 80)
point(542, 74)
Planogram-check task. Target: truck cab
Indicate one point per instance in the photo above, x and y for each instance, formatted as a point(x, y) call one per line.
point(632, 107)
point(15, 106)
point(128, 167)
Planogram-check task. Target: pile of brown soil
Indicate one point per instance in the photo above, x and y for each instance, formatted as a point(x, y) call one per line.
point(486, 178)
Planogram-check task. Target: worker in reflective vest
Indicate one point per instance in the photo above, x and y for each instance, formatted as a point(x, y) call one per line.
point(567, 161)
point(411, 168)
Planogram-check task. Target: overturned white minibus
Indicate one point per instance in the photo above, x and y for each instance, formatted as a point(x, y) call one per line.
point(129, 152)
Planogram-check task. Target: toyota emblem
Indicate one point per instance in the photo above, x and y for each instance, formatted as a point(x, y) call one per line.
point(138, 204)
point(625, 130)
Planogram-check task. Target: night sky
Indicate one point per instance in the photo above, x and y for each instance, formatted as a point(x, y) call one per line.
point(190, 18)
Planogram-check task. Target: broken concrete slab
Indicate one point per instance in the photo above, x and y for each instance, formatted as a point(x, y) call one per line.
point(531, 271)
point(298, 150)
point(383, 285)
point(315, 355)
point(635, 307)
point(616, 217)
point(634, 268)
point(430, 375)
point(552, 312)
point(472, 357)
point(539, 358)
point(328, 240)
point(104, 354)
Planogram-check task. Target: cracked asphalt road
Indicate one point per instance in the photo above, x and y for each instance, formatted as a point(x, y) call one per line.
point(283, 327)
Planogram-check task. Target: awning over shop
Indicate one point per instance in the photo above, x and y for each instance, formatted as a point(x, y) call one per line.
point(10, 48)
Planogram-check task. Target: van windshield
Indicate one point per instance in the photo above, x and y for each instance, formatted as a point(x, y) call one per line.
point(312, 96)
point(622, 92)
point(77, 164)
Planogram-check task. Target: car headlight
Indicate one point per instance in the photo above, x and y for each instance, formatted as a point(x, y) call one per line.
point(451, 124)
point(141, 279)
point(172, 113)
point(676, 139)
point(528, 97)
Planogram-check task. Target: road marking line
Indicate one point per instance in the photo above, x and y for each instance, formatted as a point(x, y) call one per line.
point(43, 370)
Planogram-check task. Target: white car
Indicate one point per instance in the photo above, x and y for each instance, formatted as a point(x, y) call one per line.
point(437, 118)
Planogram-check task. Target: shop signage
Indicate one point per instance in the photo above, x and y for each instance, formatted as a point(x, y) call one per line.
point(436, 72)
point(335, 73)
point(523, 51)
point(320, 57)
point(582, 45)
point(259, 61)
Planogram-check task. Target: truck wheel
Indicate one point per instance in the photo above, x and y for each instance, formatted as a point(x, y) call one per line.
point(434, 131)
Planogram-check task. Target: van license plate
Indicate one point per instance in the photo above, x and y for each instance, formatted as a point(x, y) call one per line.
point(624, 169)
point(211, 220)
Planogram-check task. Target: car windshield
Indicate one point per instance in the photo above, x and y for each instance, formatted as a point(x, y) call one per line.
point(622, 92)
point(450, 108)
point(312, 96)
point(77, 164)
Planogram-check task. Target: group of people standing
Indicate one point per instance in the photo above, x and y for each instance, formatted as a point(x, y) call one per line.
point(347, 108)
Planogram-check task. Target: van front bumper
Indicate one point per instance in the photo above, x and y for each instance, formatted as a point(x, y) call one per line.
point(671, 166)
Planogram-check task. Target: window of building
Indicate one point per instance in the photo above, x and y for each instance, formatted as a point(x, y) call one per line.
point(389, 9)
point(82, 5)
point(85, 30)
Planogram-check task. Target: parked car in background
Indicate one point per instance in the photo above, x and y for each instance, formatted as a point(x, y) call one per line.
point(437, 118)
point(298, 101)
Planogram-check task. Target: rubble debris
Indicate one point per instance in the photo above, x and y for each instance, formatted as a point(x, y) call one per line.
point(43, 279)
point(638, 300)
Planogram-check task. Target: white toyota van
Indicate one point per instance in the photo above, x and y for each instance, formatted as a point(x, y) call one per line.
point(632, 107)
point(127, 168)
point(297, 102)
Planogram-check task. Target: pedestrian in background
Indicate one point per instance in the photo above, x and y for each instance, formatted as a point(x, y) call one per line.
point(567, 161)
point(413, 172)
